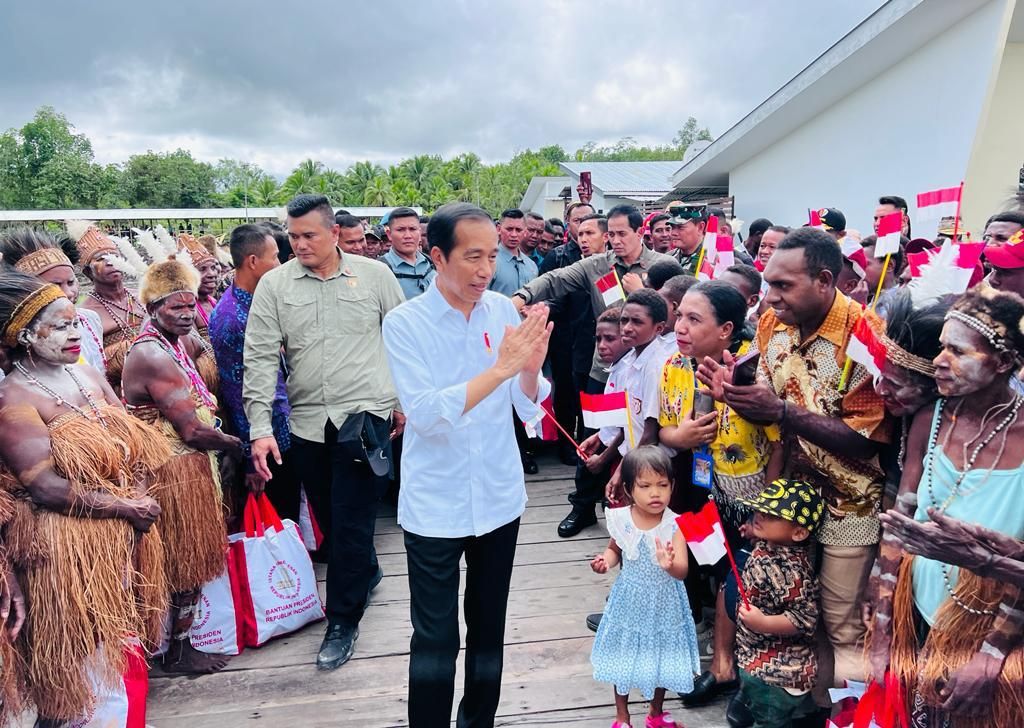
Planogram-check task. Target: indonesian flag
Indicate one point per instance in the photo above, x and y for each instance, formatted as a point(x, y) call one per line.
point(865, 348)
point(814, 219)
point(604, 410)
point(711, 240)
point(726, 256)
point(939, 203)
point(890, 228)
point(703, 533)
point(854, 252)
point(706, 272)
point(916, 261)
point(609, 287)
point(967, 257)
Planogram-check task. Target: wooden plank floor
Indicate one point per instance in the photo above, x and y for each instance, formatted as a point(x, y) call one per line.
point(547, 677)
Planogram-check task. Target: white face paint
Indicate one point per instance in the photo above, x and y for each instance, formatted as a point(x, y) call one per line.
point(54, 336)
point(966, 363)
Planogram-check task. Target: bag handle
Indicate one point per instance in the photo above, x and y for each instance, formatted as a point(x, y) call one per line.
point(259, 514)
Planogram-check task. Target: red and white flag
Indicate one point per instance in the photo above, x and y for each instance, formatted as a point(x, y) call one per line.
point(726, 256)
point(711, 240)
point(939, 203)
point(604, 410)
point(865, 348)
point(890, 228)
point(703, 533)
point(610, 289)
point(853, 251)
point(917, 261)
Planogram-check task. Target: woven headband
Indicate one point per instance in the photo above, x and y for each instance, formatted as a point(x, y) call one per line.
point(27, 310)
point(42, 260)
point(993, 336)
point(903, 358)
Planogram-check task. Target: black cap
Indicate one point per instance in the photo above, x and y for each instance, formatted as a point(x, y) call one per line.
point(832, 218)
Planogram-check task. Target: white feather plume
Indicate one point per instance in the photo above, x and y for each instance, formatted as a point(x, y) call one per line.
point(154, 251)
point(119, 263)
point(130, 254)
point(938, 277)
point(166, 239)
point(78, 228)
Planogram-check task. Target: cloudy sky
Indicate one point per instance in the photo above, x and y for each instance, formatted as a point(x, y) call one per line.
point(276, 82)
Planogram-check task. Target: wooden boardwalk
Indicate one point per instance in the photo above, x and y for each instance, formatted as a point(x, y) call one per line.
point(547, 676)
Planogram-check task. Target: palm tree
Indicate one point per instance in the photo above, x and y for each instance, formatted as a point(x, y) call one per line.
point(265, 193)
point(378, 192)
point(303, 178)
point(357, 178)
point(405, 193)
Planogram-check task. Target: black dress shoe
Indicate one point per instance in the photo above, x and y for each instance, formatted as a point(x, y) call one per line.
point(529, 465)
point(337, 648)
point(706, 688)
point(738, 714)
point(594, 621)
point(576, 521)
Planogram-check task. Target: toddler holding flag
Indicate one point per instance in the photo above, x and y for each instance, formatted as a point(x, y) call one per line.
point(646, 639)
point(775, 646)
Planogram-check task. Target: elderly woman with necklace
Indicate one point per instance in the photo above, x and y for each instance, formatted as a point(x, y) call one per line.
point(76, 469)
point(953, 636)
point(162, 386)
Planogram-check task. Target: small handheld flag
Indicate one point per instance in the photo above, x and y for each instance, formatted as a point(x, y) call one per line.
point(706, 538)
point(865, 348)
point(890, 228)
point(604, 410)
point(611, 290)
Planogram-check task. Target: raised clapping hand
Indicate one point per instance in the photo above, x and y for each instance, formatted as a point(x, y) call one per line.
point(523, 348)
point(714, 375)
point(665, 553)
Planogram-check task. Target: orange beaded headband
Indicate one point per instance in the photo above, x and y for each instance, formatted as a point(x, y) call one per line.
point(27, 310)
point(42, 260)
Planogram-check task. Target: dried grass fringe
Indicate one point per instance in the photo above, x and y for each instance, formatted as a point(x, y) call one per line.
point(191, 520)
point(955, 637)
point(12, 672)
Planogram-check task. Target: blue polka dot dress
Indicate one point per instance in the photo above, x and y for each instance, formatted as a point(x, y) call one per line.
point(646, 638)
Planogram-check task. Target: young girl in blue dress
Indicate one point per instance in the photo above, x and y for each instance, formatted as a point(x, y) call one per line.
point(646, 640)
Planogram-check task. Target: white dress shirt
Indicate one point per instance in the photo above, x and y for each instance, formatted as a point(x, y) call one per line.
point(640, 377)
point(461, 473)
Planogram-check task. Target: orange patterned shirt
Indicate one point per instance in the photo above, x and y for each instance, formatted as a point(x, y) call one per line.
point(807, 374)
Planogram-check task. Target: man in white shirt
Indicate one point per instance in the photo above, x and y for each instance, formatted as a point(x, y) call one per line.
point(461, 361)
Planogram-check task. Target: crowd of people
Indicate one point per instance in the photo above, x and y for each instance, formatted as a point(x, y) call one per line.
point(876, 515)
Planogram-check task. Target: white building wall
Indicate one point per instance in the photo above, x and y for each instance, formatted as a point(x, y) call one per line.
point(906, 131)
point(999, 153)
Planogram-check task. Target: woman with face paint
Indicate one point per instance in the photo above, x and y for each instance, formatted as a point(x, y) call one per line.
point(79, 529)
point(36, 253)
point(953, 635)
point(162, 386)
point(198, 345)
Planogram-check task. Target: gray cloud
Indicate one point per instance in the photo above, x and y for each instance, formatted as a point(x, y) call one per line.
point(277, 82)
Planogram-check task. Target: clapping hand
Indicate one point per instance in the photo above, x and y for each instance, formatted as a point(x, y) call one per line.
point(665, 553)
point(524, 347)
point(714, 375)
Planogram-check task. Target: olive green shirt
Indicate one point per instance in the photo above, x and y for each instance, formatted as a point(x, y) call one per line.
point(329, 333)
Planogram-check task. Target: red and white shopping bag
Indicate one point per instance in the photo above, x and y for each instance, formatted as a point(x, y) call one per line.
point(278, 593)
point(312, 536)
point(123, 705)
point(217, 626)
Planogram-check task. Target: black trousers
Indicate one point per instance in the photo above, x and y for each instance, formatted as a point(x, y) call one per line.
point(565, 397)
point(283, 488)
point(434, 593)
point(589, 486)
point(343, 493)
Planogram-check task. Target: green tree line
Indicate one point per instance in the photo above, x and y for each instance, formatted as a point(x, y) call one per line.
point(47, 164)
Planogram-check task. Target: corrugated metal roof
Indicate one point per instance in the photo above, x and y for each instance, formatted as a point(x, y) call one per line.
point(624, 178)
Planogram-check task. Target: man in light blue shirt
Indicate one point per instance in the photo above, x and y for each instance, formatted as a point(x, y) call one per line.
point(461, 361)
point(411, 267)
point(514, 269)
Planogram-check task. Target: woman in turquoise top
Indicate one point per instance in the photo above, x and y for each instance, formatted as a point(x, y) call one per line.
point(952, 635)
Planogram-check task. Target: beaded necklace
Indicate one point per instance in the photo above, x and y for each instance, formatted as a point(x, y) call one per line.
point(124, 323)
point(1004, 424)
point(97, 338)
point(182, 359)
point(97, 414)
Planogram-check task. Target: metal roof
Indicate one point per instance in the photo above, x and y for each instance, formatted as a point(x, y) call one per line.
point(220, 213)
point(624, 179)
